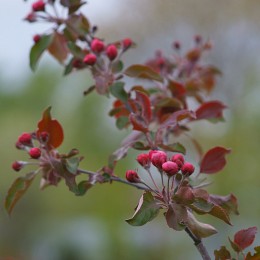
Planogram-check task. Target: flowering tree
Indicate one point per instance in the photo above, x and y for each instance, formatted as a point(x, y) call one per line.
point(158, 113)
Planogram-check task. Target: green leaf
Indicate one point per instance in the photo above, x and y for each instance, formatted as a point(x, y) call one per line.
point(122, 122)
point(68, 67)
point(78, 23)
point(72, 164)
point(201, 206)
point(118, 91)
point(75, 50)
point(142, 71)
point(117, 66)
point(17, 190)
point(38, 49)
point(146, 210)
point(83, 187)
point(199, 229)
point(140, 146)
point(176, 147)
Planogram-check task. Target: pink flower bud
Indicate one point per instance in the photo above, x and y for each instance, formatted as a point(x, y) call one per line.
point(38, 6)
point(132, 176)
point(111, 52)
point(90, 59)
point(36, 38)
point(127, 42)
point(144, 160)
point(179, 159)
point(97, 46)
point(18, 165)
point(35, 152)
point(171, 168)
point(25, 139)
point(158, 158)
point(187, 168)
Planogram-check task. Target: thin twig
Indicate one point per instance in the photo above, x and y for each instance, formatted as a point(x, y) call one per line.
point(199, 245)
point(114, 178)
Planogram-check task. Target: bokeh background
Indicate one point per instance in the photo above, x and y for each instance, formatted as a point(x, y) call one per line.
point(56, 225)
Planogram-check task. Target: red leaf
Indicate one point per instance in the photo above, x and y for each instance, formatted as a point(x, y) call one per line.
point(176, 117)
point(245, 237)
point(214, 160)
point(52, 127)
point(144, 100)
point(210, 110)
point(177, 89)
point(138, 123)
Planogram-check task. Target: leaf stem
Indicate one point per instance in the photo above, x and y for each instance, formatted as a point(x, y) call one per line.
point(199, 245)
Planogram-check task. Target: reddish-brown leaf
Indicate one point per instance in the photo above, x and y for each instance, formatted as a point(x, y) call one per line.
point(214, 160)
point(245, 237)
point(255, 256)
point(177, 89)
point(210, 110)
point(58, 47)
point(220, 213)
point(229, 202)
point(142, 71)
point(184, 196)
point(222, 254)
point(138, 123)
point(52, 127)
point(176, 117)
point(145, 102)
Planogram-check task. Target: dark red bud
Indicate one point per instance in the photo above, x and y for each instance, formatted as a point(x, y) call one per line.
point(44, 137)
point(35, 152)
point(127, 42)
point(90, 59)
point(178, 157)
point(38, 6)
point(187, 168)
point(31, 17)
point(111, 52)
point(176, 45)
point(198, 39)
point(97, 46)
point(158, 158)
point(25, 139)
point(36, 38)
point(17, 165)
point(132, 176)
point(144, 160)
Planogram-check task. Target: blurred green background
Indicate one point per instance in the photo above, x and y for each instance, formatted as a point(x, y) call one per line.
point(56, 225)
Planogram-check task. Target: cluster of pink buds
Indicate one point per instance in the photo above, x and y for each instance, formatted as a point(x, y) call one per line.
point(170, 166)
point(27, 142)
point(98, 47)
